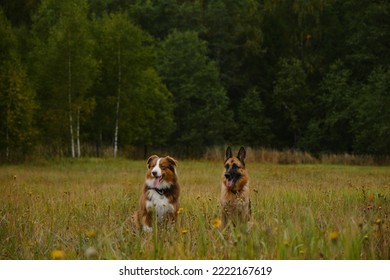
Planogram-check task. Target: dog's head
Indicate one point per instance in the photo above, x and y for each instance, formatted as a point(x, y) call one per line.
point(161, 172)
point(235, 172)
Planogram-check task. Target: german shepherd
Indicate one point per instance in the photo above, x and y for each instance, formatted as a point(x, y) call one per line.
point(235, 202)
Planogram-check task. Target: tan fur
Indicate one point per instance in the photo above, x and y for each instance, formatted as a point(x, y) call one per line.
point(235, 199)
point(151, 201)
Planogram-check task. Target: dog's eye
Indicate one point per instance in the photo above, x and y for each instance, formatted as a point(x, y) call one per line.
point(234, 166)
point(163, 167)
point(227, 166)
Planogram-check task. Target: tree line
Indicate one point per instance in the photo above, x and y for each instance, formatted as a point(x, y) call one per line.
point(308, 75)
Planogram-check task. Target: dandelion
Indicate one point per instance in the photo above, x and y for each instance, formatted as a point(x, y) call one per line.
point(378, 221)
point(91, 233)
point(180, 210)
point(57, 255)
point(334, 236)
point(184, 231)
point(216, 223)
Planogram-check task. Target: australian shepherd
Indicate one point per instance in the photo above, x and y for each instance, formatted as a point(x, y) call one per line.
point(235, 202)
point(160, 196)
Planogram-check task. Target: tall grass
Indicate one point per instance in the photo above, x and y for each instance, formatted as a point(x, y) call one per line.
point(83, 209)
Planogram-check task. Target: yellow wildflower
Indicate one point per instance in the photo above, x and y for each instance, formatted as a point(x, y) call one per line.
point(333, 236)
point(57, 255)
point(216, 223)
point(91, 233)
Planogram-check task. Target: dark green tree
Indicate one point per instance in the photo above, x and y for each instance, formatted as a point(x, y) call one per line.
point(63, 68)
point(133, 106)
point(17, 99)
point(371, 124)
point(292, 98)
point(160, 17)
point(201, 111)
point(253, 125)
point(331, 129)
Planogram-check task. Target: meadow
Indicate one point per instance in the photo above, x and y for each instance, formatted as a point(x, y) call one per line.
point(80, 209)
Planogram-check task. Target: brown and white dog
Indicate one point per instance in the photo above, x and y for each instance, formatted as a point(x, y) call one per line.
point(160, 193)
point(235, 201)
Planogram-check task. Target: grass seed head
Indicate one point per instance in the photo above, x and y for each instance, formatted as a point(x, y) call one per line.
point(91, 253)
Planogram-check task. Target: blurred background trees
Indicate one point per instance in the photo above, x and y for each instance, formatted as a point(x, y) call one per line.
point(81, 77)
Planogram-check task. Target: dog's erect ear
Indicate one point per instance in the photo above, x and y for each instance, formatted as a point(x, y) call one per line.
point(150, 159)
point(242, 155)
point(228, 153)
point(171, 160)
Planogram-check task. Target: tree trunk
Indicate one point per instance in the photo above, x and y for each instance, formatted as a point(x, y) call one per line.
point(118, 104)
point(78, 134)
point(70, 103)
point(7, 144)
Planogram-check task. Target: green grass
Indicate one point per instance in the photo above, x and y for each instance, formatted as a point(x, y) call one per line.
point(299, 212)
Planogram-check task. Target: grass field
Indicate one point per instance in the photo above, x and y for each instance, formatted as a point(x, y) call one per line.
point(81, 209)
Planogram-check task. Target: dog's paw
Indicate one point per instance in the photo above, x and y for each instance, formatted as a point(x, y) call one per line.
point(147, 229)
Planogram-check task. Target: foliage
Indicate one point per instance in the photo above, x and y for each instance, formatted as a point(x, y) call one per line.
point(253, 125)
point(372, 123)
point(200, 100)
point(332, 130)
point(291, 96)
point(17, 100)
point(63, 68)
point(319, 67)
point(129, 84)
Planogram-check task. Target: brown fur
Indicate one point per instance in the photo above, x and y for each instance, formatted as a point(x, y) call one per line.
point(161, 197)
point(235, 194)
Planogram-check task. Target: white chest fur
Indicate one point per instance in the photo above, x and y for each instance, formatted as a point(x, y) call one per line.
point(160, 203)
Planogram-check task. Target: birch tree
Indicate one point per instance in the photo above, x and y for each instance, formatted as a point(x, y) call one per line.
point(64, 64)
point(127, 57)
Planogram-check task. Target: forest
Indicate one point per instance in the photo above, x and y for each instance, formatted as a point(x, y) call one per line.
point(104, 77)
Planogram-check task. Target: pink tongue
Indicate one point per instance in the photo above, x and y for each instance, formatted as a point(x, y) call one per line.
point(229, 183)
point(156, 181)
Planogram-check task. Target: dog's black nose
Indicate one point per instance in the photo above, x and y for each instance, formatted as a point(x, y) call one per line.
point(227, 175)
point(154, 173)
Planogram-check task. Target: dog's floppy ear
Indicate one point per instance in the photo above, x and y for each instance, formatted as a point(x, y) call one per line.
point(150, 159)
point(228, 153)
point(242, 155)
point(171, 160)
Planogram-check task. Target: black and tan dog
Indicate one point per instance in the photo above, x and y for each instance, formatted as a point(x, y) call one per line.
point(235, 201)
